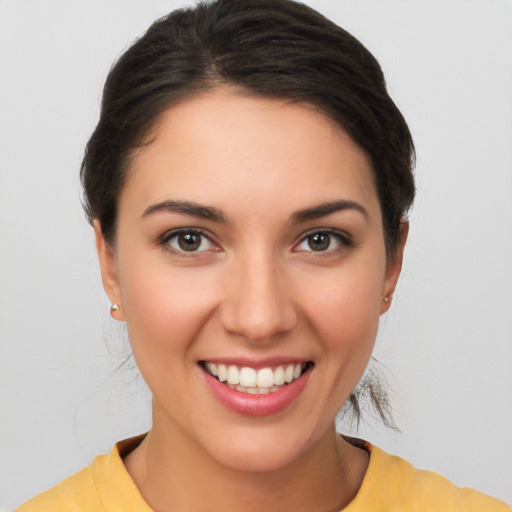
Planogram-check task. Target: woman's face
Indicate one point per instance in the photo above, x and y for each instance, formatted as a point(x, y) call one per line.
point(249, 242)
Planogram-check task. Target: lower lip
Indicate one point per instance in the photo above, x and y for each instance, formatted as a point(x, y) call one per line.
point(256, 405)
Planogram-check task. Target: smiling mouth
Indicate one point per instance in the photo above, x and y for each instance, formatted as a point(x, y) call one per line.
point(256, 381)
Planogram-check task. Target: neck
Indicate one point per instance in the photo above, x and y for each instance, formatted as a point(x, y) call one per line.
point(173, 473)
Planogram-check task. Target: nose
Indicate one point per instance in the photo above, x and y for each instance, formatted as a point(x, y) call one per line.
point(257, 302)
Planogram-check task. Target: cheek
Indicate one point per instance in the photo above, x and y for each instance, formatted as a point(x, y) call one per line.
point(344, 311)
point(164, 307)
point(165, 312)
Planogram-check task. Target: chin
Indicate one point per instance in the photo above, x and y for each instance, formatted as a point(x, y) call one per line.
point(260, 450)
point(260, 460)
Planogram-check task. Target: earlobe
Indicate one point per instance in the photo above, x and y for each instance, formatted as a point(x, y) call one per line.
point(108, 268)
point(393, 268)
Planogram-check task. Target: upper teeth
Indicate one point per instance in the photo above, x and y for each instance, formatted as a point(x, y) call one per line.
point(250, 377)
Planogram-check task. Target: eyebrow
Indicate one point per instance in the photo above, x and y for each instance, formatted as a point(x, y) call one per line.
point(214, 214)
point(324, 209)
point(187, 208)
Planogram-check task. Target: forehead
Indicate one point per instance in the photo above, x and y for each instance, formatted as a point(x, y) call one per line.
point(221, 146)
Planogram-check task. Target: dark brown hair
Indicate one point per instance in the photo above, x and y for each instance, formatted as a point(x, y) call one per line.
point(265, 48)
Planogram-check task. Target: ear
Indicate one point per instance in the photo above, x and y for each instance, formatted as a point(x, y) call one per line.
point(108, 268)
point(393, 269)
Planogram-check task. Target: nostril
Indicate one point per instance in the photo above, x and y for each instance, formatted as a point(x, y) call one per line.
point(257, 323)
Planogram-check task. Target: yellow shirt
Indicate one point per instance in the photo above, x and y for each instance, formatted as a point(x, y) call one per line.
point(390, 484)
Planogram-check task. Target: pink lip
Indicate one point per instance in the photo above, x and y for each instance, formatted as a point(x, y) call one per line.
point(256, 405)
point(262, 363)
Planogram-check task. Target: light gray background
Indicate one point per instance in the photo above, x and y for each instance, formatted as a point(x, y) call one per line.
point(446, 345)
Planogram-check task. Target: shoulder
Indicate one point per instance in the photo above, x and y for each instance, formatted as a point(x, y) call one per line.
point(392, 483)
point(103, 486)
point(78, 492)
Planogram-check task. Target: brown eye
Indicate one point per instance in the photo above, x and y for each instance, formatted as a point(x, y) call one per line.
point(324, 241)
point(189, 241)
point(319, 241)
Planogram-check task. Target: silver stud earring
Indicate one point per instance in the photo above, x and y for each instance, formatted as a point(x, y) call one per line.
point(114, 308)
point(386, 299)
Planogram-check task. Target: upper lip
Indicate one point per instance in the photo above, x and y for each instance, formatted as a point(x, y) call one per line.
point(256, 363)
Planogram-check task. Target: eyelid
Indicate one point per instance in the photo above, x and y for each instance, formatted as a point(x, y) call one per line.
point(172, 233)
point(346, 240)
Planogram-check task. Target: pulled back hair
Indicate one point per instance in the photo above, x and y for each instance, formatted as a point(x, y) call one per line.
point(276, 49)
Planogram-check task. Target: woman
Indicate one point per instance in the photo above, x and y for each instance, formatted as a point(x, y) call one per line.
point(248, 183)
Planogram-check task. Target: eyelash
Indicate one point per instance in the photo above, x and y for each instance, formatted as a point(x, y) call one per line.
point(175, 233)
point(344, 241)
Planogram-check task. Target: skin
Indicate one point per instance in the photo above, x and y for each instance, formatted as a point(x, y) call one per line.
point(257, 290)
